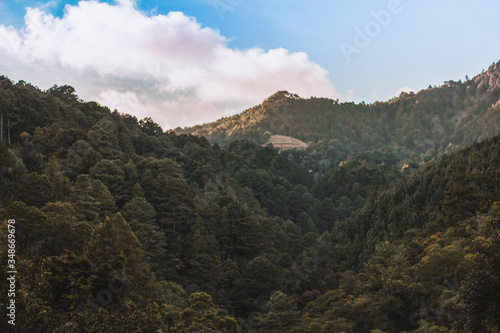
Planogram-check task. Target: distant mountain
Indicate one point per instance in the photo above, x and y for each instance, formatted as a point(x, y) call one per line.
point(414, 124)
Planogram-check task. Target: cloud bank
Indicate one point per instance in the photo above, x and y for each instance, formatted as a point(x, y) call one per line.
point(167, 67)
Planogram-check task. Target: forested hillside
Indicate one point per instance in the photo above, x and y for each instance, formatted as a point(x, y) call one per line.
point(122, 227)
point(414, 125)
point(189, 221)
point(354, 149)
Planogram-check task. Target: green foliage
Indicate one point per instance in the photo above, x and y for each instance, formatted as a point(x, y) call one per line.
point(480, 285)
point(457, 113)
point(114, 245)
point(344, 236)
point(281, 314)
point(201, 316)
point(91, 199)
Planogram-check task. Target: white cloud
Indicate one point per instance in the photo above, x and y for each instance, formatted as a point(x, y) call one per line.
point(350, 95)
point(404, 89)
point(168, 67)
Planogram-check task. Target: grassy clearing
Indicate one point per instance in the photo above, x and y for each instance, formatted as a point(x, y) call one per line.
point(286, 142)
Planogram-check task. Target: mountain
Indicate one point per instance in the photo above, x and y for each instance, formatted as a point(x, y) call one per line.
point(122, 227)
point(415, 124)
point(345, 145)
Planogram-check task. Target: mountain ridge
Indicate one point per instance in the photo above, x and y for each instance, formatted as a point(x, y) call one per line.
point(456, 112)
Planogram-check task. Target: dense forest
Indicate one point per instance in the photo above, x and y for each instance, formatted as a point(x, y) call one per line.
point(388, 221)
point(407, 127)
point(358, 148)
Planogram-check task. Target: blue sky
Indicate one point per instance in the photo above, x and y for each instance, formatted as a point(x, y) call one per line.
point(218, 57)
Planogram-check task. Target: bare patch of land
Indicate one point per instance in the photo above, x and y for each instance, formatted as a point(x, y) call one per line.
point(286, 142)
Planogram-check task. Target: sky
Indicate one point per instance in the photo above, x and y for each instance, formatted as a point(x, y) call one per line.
point(187, 62)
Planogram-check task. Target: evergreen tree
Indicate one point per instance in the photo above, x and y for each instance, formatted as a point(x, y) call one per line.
point(482, 281)
point(461, 197)
point(91, 199)
point(59, 183)
point(142, 217)
point(202, 317)
point(281, 314)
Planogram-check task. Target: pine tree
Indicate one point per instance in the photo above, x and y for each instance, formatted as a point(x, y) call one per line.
point(202, 317)
point(205, 264)
point(115, 250)
point(37, 190)
point(80, 158)
point(479, 293)
point(142, 217)
point(281, 314)
point(461, 196)
point(7, 102)
point(59, 183)
point(91, 199)
point(111, 174)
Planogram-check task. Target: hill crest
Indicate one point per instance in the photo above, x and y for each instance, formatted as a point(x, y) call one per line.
point(456, 112)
